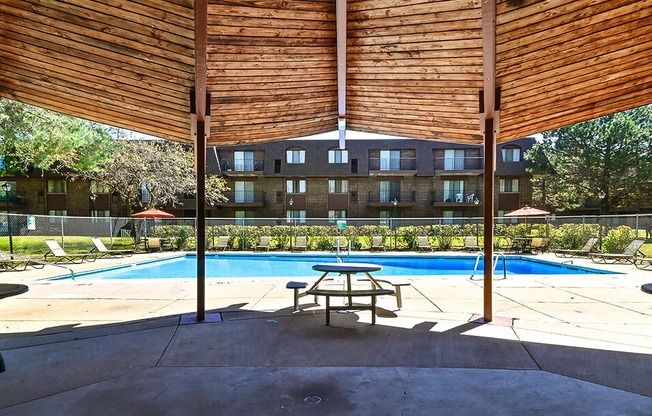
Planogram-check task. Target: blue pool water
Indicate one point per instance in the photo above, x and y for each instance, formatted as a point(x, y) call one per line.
point(249, 266)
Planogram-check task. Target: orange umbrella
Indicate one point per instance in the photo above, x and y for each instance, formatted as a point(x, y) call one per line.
point(152, 213)
point(527, 212)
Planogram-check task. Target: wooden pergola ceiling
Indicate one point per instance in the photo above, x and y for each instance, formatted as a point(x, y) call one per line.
point(414, 67)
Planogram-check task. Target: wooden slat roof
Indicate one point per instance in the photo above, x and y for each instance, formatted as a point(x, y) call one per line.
point(414, 66)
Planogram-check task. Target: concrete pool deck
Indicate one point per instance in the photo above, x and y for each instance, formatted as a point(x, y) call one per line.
point(577, 345)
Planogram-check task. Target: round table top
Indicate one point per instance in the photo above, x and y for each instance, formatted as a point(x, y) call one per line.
point(647, 288)
point(10, 289)
point(347, 267)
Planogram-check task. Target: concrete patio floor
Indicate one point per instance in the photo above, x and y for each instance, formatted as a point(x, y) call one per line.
point(577, 345)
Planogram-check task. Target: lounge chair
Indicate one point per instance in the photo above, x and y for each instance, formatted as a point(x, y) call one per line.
point(57, 254)
point(301, 243)
point(423, 243)
point(539, 244)
point(222, 243)
point(7, 263)
point(583, 252)
point(101, 250)
point(643, 262)
point(471, 244)
point(629, 255)
point(264, 243)
point(377, 243)
point(340, 241)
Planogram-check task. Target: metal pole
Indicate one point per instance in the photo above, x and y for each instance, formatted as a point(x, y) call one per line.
point(63, 245)
point(11, 239)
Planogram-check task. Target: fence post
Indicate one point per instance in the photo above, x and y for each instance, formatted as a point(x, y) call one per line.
point(111, 231)
point(63, 245)
point(636, 225)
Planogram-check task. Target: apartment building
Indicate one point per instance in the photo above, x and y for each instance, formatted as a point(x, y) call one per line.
point(315, 179)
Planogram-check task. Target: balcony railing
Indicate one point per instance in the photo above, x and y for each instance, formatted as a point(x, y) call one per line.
point(242, 166)
point(456, 197)
point(458, 163)
point(390, 164)
point(244, 197)
point(386, 197)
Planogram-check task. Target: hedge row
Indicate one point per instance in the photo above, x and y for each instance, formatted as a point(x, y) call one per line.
point(444, 237)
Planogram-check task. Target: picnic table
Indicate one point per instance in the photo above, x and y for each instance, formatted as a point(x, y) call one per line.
point(7, 290)
point(348, 269)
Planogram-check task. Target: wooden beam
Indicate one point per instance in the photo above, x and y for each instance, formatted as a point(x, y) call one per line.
point(340, 17)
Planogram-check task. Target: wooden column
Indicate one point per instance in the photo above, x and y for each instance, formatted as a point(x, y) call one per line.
point(489, 124)
point(202, 126)
point(340, 18)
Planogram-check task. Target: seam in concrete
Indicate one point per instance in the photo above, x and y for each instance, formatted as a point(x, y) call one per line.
point(532, 309)
point(168, 344)
point(520, 341)
point(608, 303)
point(427, 298)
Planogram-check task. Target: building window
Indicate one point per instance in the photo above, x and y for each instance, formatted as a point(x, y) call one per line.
point(453, 191)
point(454, 159)
point(241, 217)
point(390, 160)
point(503, 219)
point(338, 186)
point(508, 185)
point(335, 214)
point(297, 215)
point(449, 215)
point(11, 194)
point(296, 186)
point(244, 191)
point(57, 186)
point(243, 161)
point(58, 212)
point(100, 213)
point(511, 154)
point(338, 156)
point(390, 190)
point(145, 196)
point(295, 156)
point(99, 188)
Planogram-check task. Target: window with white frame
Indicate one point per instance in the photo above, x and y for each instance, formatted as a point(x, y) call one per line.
point(296, 186)
point(298, 215)
point(243, 161)
point(100, 213)
point(145, 196)
point(511, 154)
point(295, 156)
point(58, 212)
point(454, 159)
point(453, 191)
point(390, 190)
point(338, 186)
point(390, 160)
point(508, 185)
point(338, 156)
point(57, 186)
point(503, 219)
point(244, 191)
point(242, 216)
point(334, 214)
point(449, 215)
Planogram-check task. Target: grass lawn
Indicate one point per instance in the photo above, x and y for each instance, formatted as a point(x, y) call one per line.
point(34, 246)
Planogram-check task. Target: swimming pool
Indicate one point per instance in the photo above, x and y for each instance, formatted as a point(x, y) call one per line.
point(288, 265)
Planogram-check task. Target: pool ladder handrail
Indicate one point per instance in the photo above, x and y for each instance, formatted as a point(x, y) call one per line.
point(43, 262)
point(497, 256)
point(339, 259)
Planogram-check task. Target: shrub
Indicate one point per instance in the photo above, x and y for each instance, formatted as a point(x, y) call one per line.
point(181, 237)
point(617, 240)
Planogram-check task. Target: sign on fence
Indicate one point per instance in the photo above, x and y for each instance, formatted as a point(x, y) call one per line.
point(341, 224)
point(31, 223)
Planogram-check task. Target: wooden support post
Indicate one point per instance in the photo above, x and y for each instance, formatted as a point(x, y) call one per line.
point(489, 157)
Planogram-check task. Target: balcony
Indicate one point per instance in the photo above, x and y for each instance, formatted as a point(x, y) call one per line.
point(384, 199)
point(468, 165)
point(242, 167)
point(405, 166)
point(467, 198)
point(244, 199)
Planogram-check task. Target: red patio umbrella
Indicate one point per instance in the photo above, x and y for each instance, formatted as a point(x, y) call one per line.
point(152, 213)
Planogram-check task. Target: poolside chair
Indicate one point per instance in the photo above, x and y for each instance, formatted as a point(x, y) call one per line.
point(340, 241)
point(101, 250)
point(264, 243)
point(377, 243)
point(301, 243)
point(222, 243)
point(629, 255)
point(539, 244)
point(471, 244)
point(58, 254)
point(584, 251)
point(423, 243)
point(7, 263)
point(644, 263)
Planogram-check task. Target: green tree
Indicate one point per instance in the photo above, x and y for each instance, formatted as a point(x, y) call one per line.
point(35, 137)
point(610, 155)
